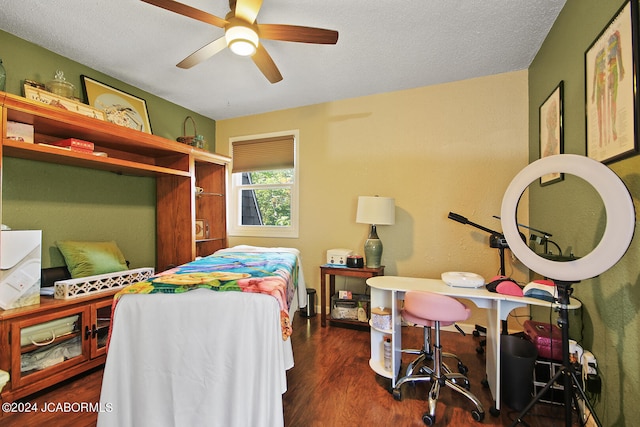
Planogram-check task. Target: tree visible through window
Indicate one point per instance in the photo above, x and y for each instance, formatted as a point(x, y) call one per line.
point(267, 206)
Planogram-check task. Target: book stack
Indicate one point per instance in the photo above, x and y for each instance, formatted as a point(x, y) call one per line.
point(73, 144)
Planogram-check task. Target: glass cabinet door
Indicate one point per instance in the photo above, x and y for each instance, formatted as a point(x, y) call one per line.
point(45, 345)
point(100, 326)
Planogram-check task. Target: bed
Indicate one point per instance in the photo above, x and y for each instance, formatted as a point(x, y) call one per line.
point(213, 352)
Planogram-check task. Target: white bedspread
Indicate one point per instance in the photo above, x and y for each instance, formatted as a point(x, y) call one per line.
point(201, 358)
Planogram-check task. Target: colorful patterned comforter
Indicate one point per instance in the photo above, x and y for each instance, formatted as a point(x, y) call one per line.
point(271, 273)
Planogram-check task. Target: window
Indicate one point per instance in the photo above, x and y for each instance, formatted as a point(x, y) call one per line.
point(264, 185)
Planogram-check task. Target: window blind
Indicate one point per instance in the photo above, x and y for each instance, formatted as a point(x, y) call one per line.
point(263, 154)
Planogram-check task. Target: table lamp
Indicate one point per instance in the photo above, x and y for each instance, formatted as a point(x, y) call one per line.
point(375, 210)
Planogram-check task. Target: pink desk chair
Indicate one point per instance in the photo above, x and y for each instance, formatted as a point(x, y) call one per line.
point(433, 310)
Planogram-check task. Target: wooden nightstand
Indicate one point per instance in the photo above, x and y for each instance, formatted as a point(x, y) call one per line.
point(332, 272)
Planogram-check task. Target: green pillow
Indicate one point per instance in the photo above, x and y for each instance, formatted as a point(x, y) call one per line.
point(90, 258)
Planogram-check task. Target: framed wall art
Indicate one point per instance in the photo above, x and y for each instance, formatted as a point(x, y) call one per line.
point(610, 79)
point(551, 131)
point(119, 107)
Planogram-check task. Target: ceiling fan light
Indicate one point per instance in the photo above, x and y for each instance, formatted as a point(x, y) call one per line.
point(242, 40)
point(242, 47)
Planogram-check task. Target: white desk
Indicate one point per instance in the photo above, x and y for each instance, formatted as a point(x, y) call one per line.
point(388, 291)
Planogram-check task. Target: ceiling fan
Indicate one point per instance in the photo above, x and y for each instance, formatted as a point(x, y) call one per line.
point(242, 34)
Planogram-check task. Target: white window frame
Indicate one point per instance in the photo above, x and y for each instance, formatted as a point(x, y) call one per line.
point(235, 188)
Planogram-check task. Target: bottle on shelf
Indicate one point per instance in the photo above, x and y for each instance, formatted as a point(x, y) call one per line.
point(387, 353)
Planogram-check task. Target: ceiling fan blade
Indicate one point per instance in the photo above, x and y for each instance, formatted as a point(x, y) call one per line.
point(264, 62)
point(297, 33)
point(248, 9)
point(204, 53)
point(188, 11)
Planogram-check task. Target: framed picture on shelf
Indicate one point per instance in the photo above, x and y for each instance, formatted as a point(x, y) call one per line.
point(551, 132)
point(610, 78)
point(41, 95)
point(119, 107)
point(202, 229)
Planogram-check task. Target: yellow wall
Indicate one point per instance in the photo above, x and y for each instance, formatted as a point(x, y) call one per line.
point(451, 147)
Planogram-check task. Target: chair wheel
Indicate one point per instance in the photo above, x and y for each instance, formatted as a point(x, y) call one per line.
point(397, 394)
point(477, 415)
point(462, 368)
point(428, 419)
point(485, 383)
point(495, 412)
point(479, 350)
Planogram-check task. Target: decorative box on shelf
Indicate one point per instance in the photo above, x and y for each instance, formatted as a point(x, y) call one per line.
point(73, 288)
point(381, 318)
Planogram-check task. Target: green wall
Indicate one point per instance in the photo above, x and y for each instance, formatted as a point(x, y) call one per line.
point(609, 325)
point(75, 203)
point(69, 203)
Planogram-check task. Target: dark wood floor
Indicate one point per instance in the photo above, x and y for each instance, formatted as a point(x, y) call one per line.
point(332, 385)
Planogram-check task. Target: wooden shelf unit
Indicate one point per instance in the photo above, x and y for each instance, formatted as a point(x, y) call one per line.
point(211, 205)
point(333, 271)
point(177, 167)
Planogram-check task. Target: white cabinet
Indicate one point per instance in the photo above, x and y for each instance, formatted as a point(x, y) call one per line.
point(391, 299)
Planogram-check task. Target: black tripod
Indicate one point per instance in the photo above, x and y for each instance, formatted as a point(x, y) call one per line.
point(570, 383)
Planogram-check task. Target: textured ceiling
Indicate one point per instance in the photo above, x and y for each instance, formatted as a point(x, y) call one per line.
point(383, 45)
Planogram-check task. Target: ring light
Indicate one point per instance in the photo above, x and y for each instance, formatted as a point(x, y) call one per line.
point(618, 205)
